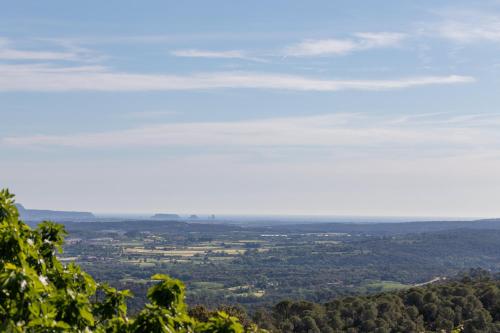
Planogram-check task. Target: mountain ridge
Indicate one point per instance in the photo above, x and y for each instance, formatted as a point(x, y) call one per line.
point(56, 215)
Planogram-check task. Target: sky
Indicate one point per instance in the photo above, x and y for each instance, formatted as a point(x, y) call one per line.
point(376, 108)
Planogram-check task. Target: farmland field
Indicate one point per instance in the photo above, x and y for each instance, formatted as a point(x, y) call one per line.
point(259, 265)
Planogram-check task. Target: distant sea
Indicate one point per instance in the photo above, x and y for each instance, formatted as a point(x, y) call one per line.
point(283, 219)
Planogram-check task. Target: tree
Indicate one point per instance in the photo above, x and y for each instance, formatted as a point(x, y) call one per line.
point(40, 294)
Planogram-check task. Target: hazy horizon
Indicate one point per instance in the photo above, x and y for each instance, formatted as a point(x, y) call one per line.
point(255, 216)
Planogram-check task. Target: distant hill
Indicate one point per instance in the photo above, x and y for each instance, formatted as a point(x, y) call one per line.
point(165, 216)
point(54, 215)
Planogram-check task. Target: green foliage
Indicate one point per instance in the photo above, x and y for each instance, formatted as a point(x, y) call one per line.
point(221, 323)
point(468, 305)
point(40, 294)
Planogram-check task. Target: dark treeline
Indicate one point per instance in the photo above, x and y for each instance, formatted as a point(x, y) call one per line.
point(391, 228)
point(395, 228)
point(469, 304)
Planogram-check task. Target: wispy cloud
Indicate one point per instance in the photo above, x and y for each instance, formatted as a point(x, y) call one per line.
point(230, 54)
point(193, 53)
point(9, 52)
point(360, 41)
point(309, 47)
point(45, 50)
point(150, 114)
point(95, 78)
point(466, 26)
point(469, 133)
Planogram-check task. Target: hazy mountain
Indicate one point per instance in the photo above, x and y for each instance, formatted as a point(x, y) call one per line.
point(165, 216)
point(54, 215)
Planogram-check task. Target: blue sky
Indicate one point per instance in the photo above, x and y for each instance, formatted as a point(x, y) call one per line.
point(262, 107)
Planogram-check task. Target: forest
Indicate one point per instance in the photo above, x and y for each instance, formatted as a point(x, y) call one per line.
point(468, 304)
point(44, 290)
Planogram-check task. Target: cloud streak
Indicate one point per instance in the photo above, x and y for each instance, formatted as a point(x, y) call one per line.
point(8, 52)
point(231, 54)
point(466, 26)
point(421, 134)
point(328, 47)
point(70, 52)
point(96, 78)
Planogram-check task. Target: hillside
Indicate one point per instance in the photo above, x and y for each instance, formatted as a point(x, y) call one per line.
point(470, 304)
